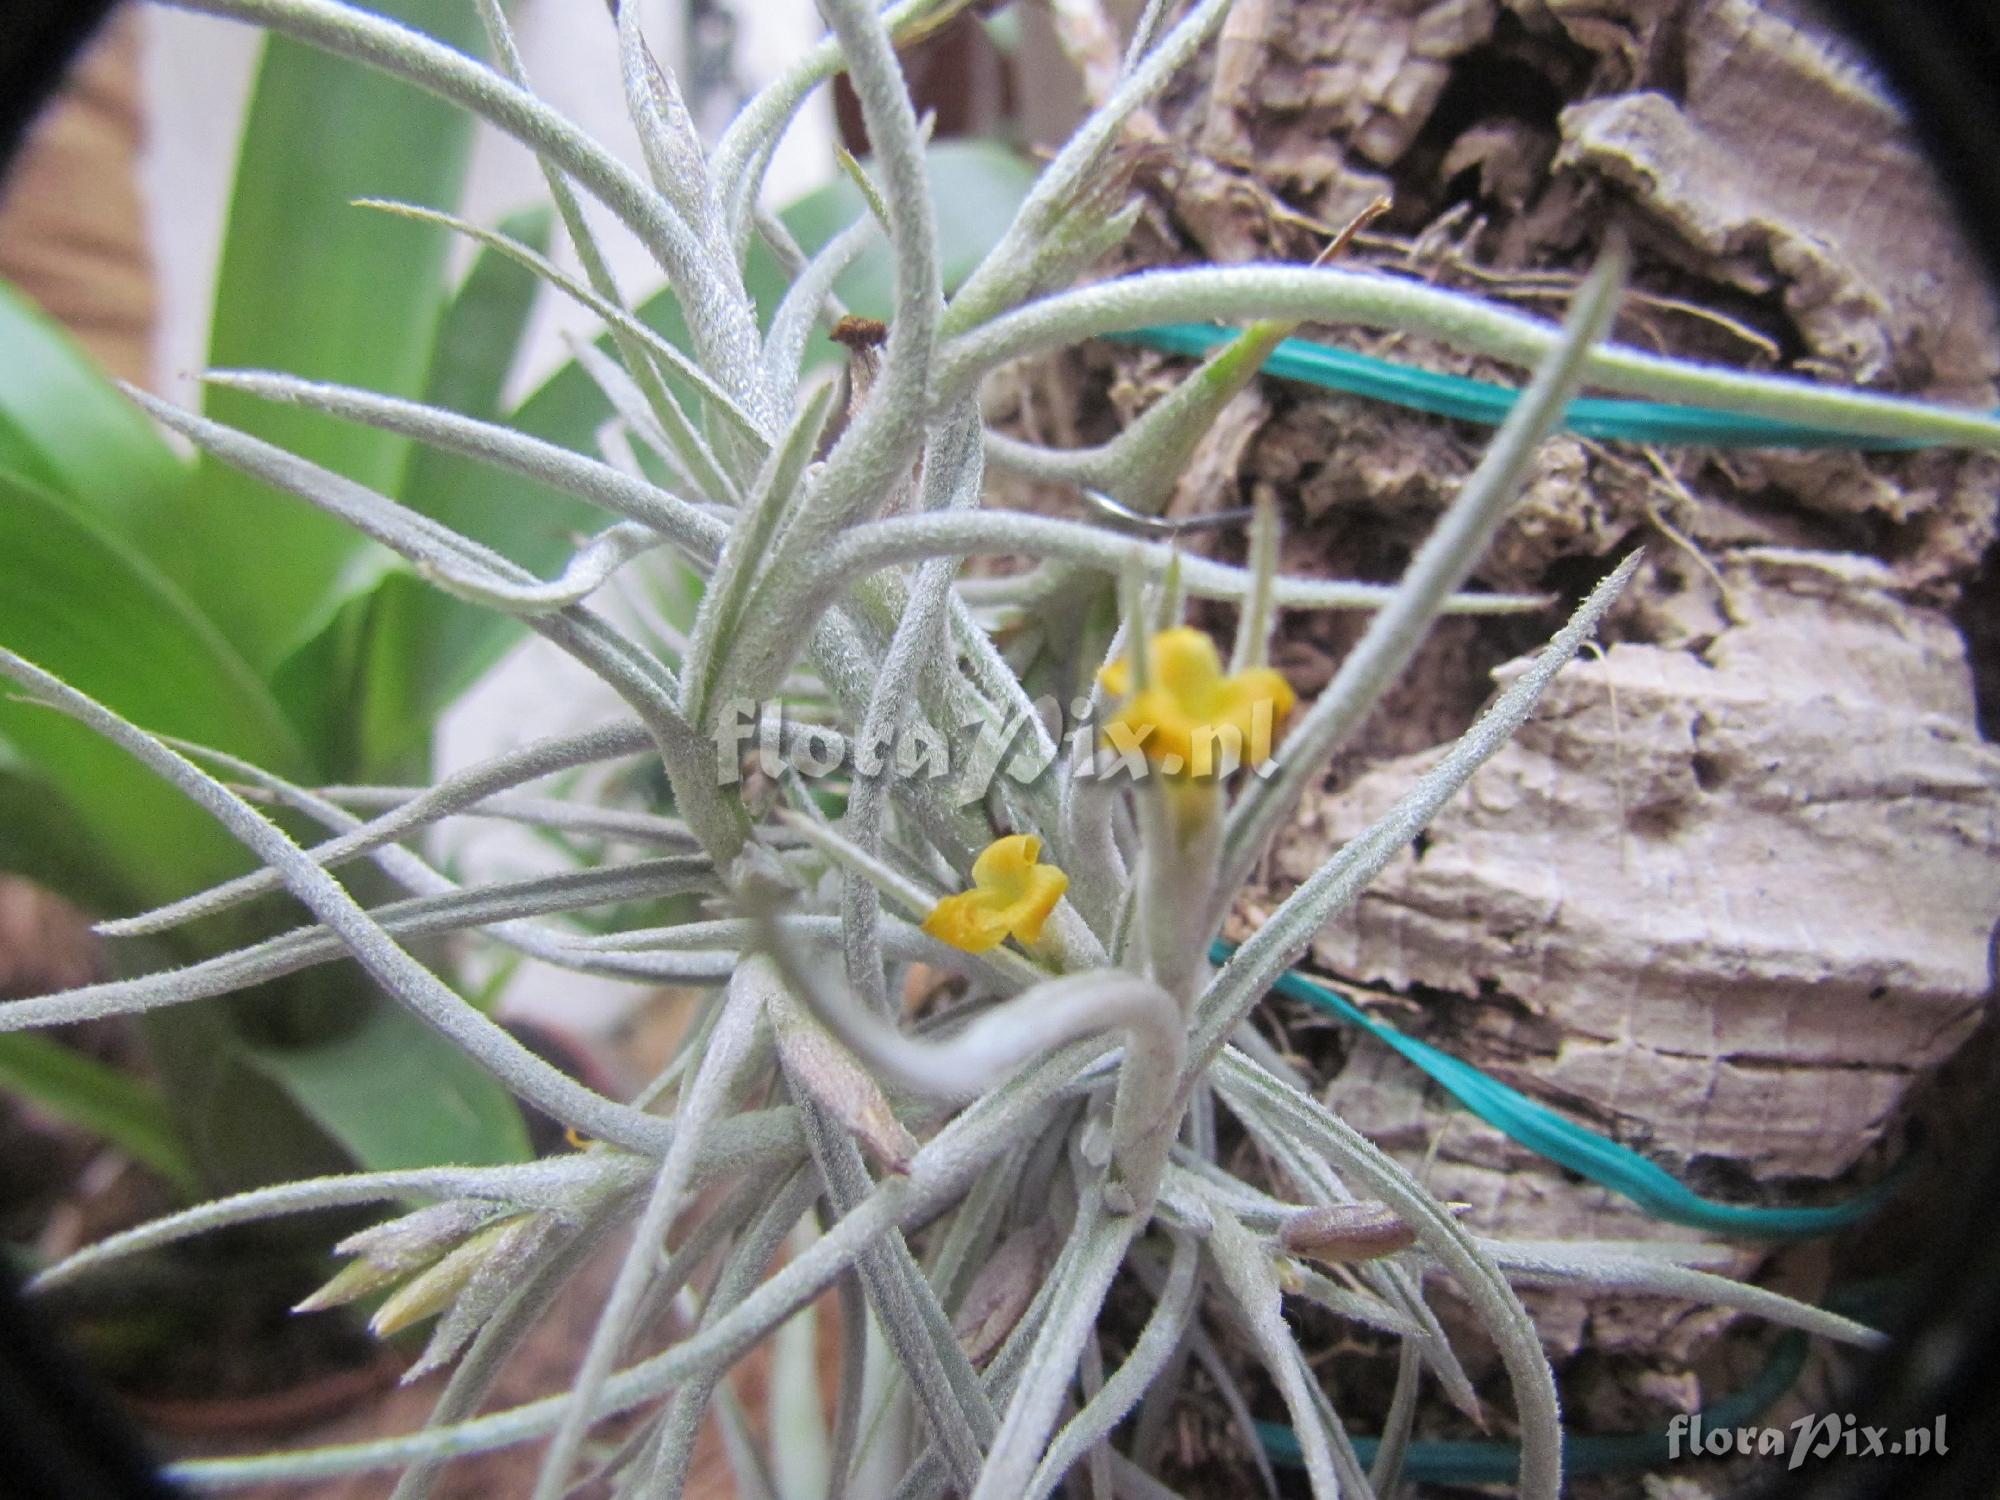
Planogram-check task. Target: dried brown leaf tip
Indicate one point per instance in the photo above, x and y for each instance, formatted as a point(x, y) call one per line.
point(863, 339)
point(860, 334)
point(1340, 1234)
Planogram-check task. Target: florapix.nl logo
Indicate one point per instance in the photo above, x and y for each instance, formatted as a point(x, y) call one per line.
point(767, 739)
point(1827, 1435)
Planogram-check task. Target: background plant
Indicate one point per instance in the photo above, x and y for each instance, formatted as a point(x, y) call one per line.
point(1072, 1118)
point(321, 660)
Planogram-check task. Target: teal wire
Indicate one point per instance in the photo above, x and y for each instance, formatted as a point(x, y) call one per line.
point(1582, 1151)
point(1482, 401)
point(1492, 1461)
point(1603, 1161)
point(1481, 1461)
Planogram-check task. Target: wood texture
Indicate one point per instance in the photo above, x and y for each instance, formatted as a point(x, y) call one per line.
point(72, 231)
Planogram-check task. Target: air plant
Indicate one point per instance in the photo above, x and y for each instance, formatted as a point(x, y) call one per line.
point(974, 1180)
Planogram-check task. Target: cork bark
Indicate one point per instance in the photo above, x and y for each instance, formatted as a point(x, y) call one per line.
point(1729, 897)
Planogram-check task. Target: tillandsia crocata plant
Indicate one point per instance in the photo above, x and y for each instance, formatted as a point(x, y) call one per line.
point(974, 1179)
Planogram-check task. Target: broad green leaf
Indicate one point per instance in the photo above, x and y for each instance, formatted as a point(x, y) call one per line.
point(94, 1096)
point(477, 342)
point(419, 648)
point(976, 186)
point(65, 426)
point(83, 817)
point(396, 1094)
point(241, 1128)
point(42, 839)
point(316, 287)
point(80, 602)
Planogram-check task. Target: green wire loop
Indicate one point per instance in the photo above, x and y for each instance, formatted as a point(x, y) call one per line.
point(1605, 1162)
point(1582, 1151)
point(1493, 1461)
point(1496, 1461)
point(1482, 401)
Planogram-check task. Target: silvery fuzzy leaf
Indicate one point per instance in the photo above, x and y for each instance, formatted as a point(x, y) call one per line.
point(416, 1239)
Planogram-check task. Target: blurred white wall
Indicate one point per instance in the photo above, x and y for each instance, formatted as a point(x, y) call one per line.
point(197, 80)
point(198, 71)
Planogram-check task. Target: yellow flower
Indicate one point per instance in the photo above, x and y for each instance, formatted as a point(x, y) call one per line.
point(1188, 709)
point(1010, 894)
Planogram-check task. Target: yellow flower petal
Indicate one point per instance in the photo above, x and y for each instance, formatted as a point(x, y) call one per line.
point(1046, 885)
point(1187, 668)
point(1011, 894)
point(1003, 863)
point(1191, 720)
point(968, 921)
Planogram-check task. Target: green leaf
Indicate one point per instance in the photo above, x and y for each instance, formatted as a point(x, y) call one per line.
point(65, 426)
point(43, 840)
point(420, 647)
point(83, 817)
point(976, 187)
point(109, 557)
point(313, 286)
point(79, 601)
point(478, 341)
point(241, 1129)
point(395, 1094)
point(96, 1097)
